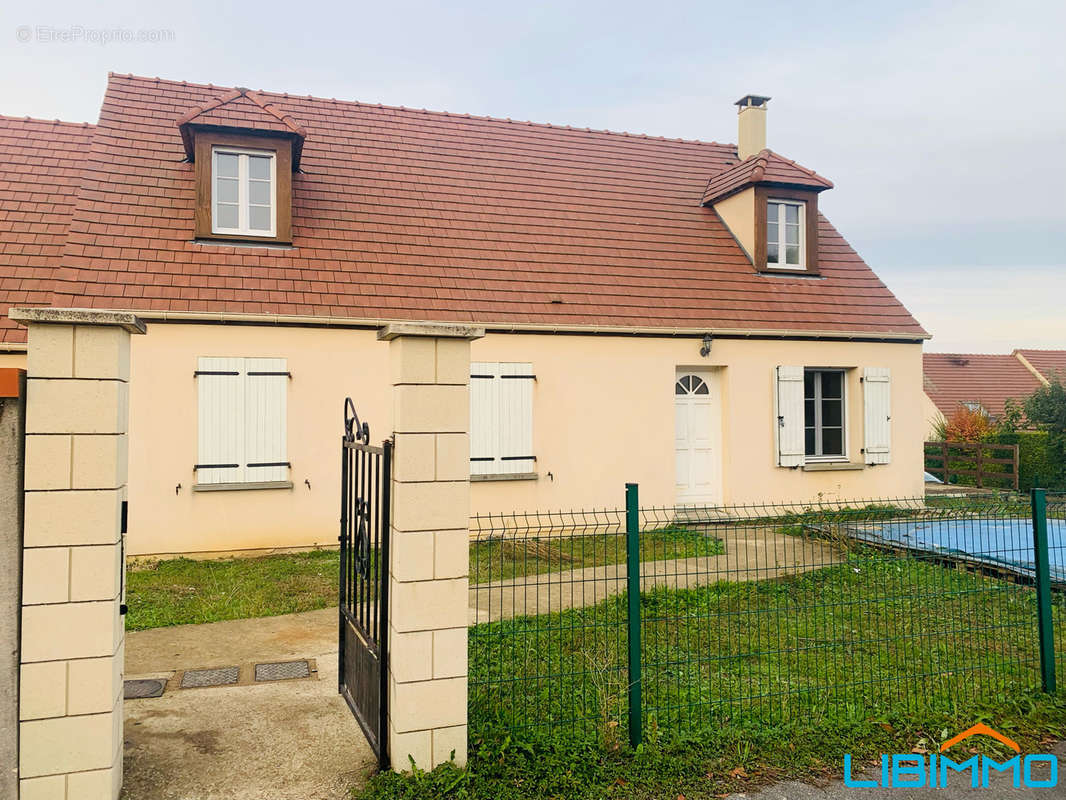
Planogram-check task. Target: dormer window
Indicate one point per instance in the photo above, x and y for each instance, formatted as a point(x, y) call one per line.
point(243, 200)
point(243, 188)
point(784, 234)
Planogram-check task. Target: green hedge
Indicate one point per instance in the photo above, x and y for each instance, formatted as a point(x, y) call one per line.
point(1035, 462)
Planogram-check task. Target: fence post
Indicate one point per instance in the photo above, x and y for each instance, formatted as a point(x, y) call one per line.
point(633, 615)
point(1045, 627)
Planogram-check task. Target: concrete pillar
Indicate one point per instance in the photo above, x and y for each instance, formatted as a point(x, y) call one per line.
point(429, 572)
point(70, 733)
point(12, 430)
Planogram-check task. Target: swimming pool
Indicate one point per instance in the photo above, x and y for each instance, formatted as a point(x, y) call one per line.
point(1006, 543)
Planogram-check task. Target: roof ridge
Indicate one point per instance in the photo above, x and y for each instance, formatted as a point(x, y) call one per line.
point(12, 118)
point(462, 115)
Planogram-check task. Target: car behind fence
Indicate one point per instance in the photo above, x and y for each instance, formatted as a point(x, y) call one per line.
point(612, 625)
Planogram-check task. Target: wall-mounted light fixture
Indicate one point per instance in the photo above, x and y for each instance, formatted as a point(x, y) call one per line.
point(705, 348)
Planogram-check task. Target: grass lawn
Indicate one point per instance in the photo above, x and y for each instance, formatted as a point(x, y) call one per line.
point(746, 683)
point(183, 591)
point(500, 559)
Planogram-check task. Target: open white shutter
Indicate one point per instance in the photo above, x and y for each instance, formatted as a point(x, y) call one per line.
point(516, 419)
point(484, 417)
point(220, 399)
point(877, 413)
point(265, 392)
point(789, 418)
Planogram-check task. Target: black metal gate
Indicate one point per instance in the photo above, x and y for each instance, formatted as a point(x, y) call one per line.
point(364, 579)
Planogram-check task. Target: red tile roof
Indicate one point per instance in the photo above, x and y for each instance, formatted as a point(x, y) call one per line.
point(952, 379)
point(766, 167)
point(240, 108)
point(40, 165)
point(404, 214)
point(1046, 362)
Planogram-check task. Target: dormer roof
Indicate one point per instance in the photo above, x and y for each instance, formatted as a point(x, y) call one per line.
point(765, 167)
point(241, 110)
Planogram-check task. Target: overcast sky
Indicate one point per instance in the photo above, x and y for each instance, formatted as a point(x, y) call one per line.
point(943, 125)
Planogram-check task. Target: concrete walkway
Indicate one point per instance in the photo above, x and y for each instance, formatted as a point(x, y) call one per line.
point(751, 554)
point(289, 740)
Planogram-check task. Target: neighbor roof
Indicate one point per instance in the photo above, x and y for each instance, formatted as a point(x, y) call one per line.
point(40, 165)
point(1046, 362)
point(415, 215)
point(952, 379)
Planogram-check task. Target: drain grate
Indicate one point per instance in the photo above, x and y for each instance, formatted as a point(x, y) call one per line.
point(195, 678)
point(282, 671)
point(137, 689)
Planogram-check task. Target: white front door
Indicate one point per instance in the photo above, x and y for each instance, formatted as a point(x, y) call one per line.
point(696, 425)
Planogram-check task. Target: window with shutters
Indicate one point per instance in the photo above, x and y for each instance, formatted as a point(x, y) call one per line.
point(501, 419)
point(811, 416)
point(242, 421)
point(823, 414)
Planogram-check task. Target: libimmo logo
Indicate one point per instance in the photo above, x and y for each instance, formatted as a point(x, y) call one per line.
point(915, 771)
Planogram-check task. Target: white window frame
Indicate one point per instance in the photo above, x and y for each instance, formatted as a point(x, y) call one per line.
point(781, 251)
point(243, 204)
point(834, 457)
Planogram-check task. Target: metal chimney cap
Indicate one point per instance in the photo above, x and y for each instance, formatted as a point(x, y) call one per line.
point(752, 100)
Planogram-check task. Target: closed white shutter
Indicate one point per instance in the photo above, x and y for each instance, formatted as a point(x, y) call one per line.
point(516, 419)
point(242, 420)
point(484, 417)
point(501, 418)
point(220, 398)
point(265, 393)
point(789, 417)
point(877, 413)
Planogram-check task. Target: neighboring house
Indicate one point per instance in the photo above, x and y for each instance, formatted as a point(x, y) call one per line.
point(983, 382)
point(676, 313)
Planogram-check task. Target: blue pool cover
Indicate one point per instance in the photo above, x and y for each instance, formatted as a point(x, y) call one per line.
point(1007, 543)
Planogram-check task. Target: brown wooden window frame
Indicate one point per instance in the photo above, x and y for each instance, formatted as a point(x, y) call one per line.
point(763, 194)
point(281, 147)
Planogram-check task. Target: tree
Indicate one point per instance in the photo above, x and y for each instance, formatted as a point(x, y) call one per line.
point(1046, 409)
point(967, 425)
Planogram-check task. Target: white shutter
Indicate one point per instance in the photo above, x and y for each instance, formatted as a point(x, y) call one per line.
point(484, 417)
point(789, 417)
point(265, 393)
point(220, 398)
point(877, 413)
point(516, 418)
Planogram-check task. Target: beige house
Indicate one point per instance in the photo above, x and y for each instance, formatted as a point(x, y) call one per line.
point(675, 313)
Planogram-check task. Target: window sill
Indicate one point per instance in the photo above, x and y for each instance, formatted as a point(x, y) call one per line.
point(237, 241)
point(513, 476)
point(240, 487)
point(795, 273)
point(831, 466)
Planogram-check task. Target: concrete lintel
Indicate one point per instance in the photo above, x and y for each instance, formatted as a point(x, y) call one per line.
point(126, 320)
point(440, 330)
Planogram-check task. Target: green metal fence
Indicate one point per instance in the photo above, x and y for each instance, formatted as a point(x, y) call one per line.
point(610, 625)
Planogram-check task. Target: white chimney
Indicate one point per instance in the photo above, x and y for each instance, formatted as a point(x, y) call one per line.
point(751, 125)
